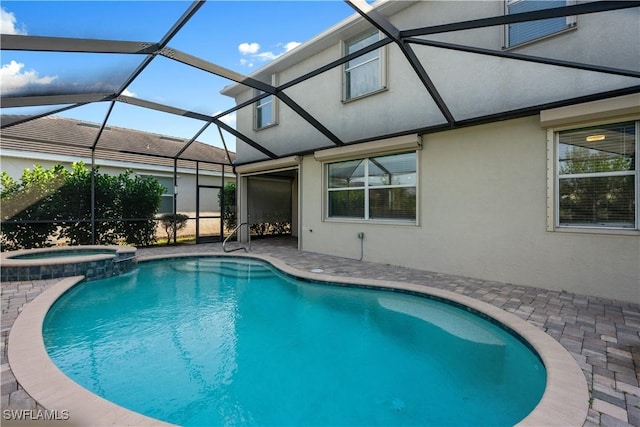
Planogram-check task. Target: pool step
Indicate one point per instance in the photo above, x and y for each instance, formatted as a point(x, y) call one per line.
point(225, 268)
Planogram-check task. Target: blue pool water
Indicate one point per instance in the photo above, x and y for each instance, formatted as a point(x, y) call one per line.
point(212, 341)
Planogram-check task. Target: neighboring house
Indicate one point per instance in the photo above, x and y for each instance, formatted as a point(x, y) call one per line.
point(55, 140)
point(457, 161)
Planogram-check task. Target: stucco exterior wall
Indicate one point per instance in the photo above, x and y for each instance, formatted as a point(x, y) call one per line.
point(482, 213)
point(471, 85)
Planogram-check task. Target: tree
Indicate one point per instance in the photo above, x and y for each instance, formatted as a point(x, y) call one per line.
point(229, 212)
point(172, 224)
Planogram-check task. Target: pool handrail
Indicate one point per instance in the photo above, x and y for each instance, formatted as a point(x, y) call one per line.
point(224, 243)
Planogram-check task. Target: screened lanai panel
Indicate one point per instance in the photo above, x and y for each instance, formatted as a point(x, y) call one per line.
point(58, 73)
point(52, 130)
point(396, 84)
point(173, 83)
point(16, 114)
point(112, 20)
point(229, 21)
point(290, 134)
point(162, 134)
point(507, 84)
point(200, 150)
point(93, 113)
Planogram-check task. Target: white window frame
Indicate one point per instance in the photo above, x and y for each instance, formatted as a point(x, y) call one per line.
point(269, 100)
point(571, 24)
point(366, 188)
point(382, 69)
point(553, 179)
point(257, 108)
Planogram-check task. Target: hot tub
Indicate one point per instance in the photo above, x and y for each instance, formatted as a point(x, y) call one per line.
point(91, 261)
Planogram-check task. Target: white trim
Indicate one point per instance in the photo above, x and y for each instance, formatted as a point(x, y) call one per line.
point(268, 165)
point(366, 189)
point(553, 178)
point(552, 207)
point(366, 149)
point(274, 107)
point(382, 69)
point(612, 110)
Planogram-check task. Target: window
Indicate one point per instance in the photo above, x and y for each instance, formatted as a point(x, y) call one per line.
point(375, 188)
point(524, 32)
point(362, 75)
point(597, 177)
point(166, 203)
point(264, 112)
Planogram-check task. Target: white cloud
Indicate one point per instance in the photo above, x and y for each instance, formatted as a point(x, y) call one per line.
point(266, 56)
point(13, 78)
point(251, 52)
point(126, 92)
point(8, 23)
point(248, 48)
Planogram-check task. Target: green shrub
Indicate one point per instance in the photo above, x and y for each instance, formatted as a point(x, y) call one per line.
point(56, 203)
point(29, 208)
point(74, 204)
point(139, 201)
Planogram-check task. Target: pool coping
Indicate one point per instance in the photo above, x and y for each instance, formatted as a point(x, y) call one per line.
point(565, 400)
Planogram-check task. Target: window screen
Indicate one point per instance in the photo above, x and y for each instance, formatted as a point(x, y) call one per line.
point(268, 200)
point(523, 32)
point(264, 112)
point(363, 74)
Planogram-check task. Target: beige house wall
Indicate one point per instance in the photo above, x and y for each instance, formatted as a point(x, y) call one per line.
point(481, 213)
point(485, 199)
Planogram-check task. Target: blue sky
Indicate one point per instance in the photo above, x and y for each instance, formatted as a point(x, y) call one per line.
point(239, 35)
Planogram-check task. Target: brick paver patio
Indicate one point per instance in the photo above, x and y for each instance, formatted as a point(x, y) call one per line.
point(602, 335)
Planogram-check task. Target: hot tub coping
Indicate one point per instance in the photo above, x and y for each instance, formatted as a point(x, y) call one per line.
point(8, 258)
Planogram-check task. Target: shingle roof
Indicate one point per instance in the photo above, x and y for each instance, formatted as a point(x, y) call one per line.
point(56, 135)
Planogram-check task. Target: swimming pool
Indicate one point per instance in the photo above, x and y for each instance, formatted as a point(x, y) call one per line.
point(233, 340)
